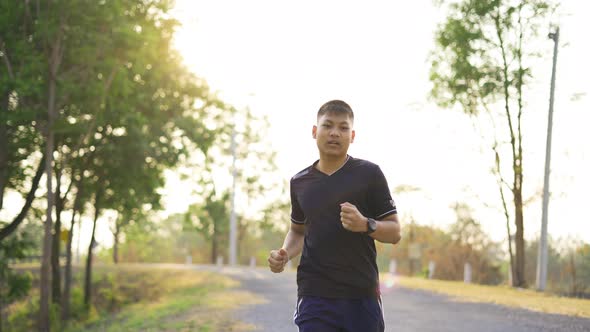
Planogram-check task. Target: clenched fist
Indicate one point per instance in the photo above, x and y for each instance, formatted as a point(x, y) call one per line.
point(352, 220)
point(277, 260)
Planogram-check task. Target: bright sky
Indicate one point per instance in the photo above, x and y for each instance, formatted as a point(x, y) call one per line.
point(285, 59)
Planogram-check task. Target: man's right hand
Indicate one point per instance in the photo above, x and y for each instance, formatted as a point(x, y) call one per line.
point(277, 260)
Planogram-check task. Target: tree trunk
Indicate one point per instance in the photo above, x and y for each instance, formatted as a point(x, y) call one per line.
point(505, 209)
point(55, 57)
point(45, 282)
point(65, 300)
point(7, 230)
point(116, 242)
point(574, 290)
point(1, 305)
point(410, 242)
point(518, 278)
point(3, 144)
point(242, 231)
point(88, 276)
point(214, 248)
point(1, 314)
point(68, 269)
point(510, 252)
point(55, 251)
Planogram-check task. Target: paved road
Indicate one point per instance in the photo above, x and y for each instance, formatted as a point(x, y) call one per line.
point(405, 309)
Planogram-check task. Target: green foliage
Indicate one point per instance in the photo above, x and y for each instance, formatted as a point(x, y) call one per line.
point(480, 52)
point(463, 242)
point(128, 108)
point(117, 289)
point(257, 184)
point(125, 106)
point(78, 311)
point(210, 218)
point(163, 241)
point(568, 269)
point(23, 317)
point(151, 299)
point(13, 286)
point(176, 237)
point(19, 87)
point(583, 260)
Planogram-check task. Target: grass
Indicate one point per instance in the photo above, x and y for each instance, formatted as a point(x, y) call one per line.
point(147, 298)
point(187, 301)
point(502, 295)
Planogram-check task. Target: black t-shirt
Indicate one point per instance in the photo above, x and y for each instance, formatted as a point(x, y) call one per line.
point(335, 262)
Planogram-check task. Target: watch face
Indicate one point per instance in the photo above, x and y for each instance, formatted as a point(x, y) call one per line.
point(371, 225)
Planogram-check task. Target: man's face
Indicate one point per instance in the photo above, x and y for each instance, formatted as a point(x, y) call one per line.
point(333, 134)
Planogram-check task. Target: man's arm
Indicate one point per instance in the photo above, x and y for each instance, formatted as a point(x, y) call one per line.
point(388, 228)
point(293, 243)
point(292, 246)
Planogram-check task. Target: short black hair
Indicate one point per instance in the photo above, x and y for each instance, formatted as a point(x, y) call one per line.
point(337, 107)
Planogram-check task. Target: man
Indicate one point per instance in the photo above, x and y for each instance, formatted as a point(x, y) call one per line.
point(339, 206)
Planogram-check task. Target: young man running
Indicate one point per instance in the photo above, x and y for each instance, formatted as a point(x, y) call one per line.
point(339, 206)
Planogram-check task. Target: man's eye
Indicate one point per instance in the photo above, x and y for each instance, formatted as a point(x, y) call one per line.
point(344, 128)
point(326, 126)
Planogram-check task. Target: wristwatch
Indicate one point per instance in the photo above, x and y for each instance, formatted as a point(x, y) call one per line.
point(371, 225)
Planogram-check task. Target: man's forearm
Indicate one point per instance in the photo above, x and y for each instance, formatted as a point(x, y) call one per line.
point(388, 231)
point(293, 243)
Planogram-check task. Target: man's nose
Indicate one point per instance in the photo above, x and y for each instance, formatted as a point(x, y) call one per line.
point(335, 132)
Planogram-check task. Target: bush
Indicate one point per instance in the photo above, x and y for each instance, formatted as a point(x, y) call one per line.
point(13, 286)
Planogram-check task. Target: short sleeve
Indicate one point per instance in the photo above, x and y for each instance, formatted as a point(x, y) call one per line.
point(380, 202)
point(297, 215)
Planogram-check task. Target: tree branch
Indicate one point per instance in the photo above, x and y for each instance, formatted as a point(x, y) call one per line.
point(6, 59)
point(501, 183)
point(7, 230)
point(519, 93)
point(506, 93)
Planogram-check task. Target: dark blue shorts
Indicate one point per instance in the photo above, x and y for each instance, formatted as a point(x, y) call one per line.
point(320, 314)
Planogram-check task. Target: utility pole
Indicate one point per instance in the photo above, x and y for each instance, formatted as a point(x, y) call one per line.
point(542, 257)
point(232, 219)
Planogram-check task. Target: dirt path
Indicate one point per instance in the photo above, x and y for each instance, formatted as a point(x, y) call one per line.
point(405, 309)
point(276, 295)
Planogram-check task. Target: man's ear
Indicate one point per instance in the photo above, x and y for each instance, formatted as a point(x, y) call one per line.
point(314, 131)
point(352, 136)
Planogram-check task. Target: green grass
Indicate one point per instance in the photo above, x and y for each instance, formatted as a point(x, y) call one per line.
point(146, 298)
point(502, 295)
point(187, 301)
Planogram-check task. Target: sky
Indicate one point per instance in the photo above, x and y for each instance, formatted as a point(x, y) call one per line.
point(285, 59)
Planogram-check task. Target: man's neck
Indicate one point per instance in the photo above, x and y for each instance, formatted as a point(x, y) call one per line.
point(330, 165)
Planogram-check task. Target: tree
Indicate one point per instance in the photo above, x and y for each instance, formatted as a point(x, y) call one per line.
point(21, 110)
point(256, 186)
point(580, 269)
point(481, 64)
point(76, 210)
point(36, 51)
point(211, 220)
point(13, 285)
point(472, 245)
point(53, 22)
point(463, 242)
point(99, 86)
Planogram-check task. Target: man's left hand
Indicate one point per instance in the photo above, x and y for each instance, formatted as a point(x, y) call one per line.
point(352, 220)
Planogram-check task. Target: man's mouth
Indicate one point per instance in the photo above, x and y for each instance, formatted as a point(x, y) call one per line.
point(335, 143)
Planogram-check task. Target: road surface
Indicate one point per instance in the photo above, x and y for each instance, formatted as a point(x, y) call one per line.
point(405, 309)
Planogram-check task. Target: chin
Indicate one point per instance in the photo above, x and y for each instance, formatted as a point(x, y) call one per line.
point(332, 153)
